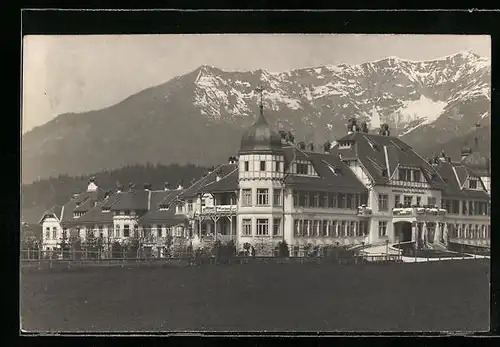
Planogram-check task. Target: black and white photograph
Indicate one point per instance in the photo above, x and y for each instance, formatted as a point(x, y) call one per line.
point(255, 183)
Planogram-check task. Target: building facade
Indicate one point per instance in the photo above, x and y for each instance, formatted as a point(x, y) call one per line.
point(367, 189)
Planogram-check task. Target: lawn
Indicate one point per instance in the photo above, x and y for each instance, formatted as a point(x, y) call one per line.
point(435, 296)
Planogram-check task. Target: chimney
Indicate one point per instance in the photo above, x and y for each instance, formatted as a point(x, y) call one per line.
point(326, 147)
point(130, 186)
point(92, 186)
point(147, 186)
point(302, 145)
point(384, 130)
point(466, 151)
point(119, 188)
point(311, 147)
point(75, 195)
point(167, 186)
point(448, 159)
point(217, 178)
point(180, 186)
point(443, 156)
point(107, 194)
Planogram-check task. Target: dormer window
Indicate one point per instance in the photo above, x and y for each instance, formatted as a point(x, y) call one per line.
point(417, 177)
point(473, 183)
point(404, 174)
point(344, 145)
point(302, 169)
point(105, 210)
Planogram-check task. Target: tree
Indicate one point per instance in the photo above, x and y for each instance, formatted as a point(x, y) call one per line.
point(246, 247)
point(283, 250)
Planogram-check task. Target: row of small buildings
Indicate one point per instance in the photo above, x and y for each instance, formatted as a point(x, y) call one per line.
point(366, 189)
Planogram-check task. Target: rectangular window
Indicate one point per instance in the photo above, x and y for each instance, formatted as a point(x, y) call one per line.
point(383, 202)
point(431, 201)
point(159, 230)
point(382, 228)
point(277, 197)
point(246, 166)
point(464, 207)
point(333, 200)
point(333, 229)
point(262, 165)
point(404, 175)
point(348, 199)
point(341, 200)
point(324, 229)
point(407, 200)
point(397, 200)
point(472, 184)
point(262, 227)
point(47, 233)
point(315, 200)
point(117, 231)
point(277, 166)
point(325, 200)
point(54, 233)
point(342, 229)
point(246, 227)
point(295, 198)
point(315, 230)
point(419, 199)
point(455, 206)
point(471, 208)
point(246, 197)
point(276, 226)
point(296, 227)
point(262, 197)
point(416, 176)
point(306, 199)
point(302, 169)
point(126, 230)
point(348, 232)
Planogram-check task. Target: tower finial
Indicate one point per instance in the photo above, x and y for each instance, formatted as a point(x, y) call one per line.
point(259, 90)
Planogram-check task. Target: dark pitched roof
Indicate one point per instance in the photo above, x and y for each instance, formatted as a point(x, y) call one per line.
point(227, 183)
point(55, 211)
point(197, 187)
point(158, 214)
point(381, 155)
point(454, 182)
point(137, 200)
point(87, 197)
point(344, 180)
point(96, 215)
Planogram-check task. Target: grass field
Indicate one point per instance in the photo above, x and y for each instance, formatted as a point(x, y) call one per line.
point(435, 296)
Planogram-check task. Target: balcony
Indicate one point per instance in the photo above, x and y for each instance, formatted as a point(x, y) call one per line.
point(219, 210)
point(364, 211)
point(418, 211)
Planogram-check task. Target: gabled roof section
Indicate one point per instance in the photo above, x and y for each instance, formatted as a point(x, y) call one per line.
point(227, 183)
point(96, 215)
point(55, 211)
point(160, 200)
point(378, 151)
point(80, 201)
point(197, 187)
point(455, 181)
point(340, 179)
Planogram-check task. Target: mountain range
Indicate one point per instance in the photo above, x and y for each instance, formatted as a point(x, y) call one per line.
point(199, 117)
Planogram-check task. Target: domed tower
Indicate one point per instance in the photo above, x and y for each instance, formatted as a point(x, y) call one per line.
point(261, 173)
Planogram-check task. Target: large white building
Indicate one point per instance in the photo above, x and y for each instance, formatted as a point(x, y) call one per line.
point(368, 189)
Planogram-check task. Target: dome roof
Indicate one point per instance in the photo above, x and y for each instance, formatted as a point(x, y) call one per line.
point(260, 138)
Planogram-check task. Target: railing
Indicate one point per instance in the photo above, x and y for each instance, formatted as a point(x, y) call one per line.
point(418, 211)
point(219, 209)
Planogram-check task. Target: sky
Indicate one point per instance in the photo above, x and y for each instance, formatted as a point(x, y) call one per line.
point(81, 73)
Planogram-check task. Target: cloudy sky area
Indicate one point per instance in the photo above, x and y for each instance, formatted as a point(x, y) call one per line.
point(80, 73)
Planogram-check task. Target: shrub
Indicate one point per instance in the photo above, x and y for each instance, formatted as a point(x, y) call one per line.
point(282, 249)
